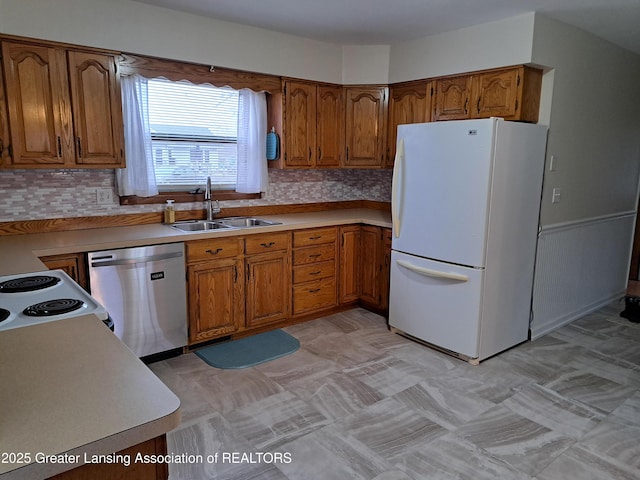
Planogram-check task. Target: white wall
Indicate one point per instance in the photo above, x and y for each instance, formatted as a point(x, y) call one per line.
point(594, 123)
point(368, 64)
point(495, 44)
point(140, 28)
point(585, 242)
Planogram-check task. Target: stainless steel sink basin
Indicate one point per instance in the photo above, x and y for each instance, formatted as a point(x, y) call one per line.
point(199, 226)
point(222, 223)
point(245, 222)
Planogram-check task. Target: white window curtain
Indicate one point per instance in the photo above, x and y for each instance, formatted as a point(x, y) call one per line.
point(252, 174)
point(138, 178)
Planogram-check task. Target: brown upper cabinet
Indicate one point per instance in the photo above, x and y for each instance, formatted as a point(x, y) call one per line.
point(64, 107)
point(313, 125)
point(408, 103)
point(452, 98)
point(511, 93)
point(366, 112)
point(330, 132)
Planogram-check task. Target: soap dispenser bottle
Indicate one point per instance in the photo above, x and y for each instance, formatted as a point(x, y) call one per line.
point(169, 212)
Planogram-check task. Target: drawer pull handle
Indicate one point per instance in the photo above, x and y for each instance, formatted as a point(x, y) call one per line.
point(268, 245)
point(315, 290)
point(315, 273)
point(214, 252)
point(315, 255)
point(317, 237)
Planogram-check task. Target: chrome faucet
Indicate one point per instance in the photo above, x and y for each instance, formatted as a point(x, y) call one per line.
point(208, 203)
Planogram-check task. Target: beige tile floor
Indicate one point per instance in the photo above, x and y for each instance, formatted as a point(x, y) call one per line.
point(358, 402)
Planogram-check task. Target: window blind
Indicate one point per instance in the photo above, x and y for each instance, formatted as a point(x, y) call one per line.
point(194, 133)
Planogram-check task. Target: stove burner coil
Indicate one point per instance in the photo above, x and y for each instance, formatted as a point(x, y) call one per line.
point(53, 307)
point(28, 284)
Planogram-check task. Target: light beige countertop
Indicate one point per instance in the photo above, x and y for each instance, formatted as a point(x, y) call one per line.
point(20, 252)
point(71, 386)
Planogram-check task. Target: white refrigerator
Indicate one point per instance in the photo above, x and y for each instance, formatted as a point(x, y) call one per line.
point(465, 207)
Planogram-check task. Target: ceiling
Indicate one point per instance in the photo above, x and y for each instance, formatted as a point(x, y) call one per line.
point(375, 22)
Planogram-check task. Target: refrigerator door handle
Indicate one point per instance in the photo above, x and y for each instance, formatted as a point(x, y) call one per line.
point(395, 190)
point(428, 272)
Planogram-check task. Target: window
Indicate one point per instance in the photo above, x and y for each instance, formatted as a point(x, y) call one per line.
point(194, 134)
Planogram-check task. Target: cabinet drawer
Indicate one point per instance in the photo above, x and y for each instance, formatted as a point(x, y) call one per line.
point(316, 236)
point(321, 253)
point(213, 249)
point(266, 243)
point(314, 295)
point(314, 271)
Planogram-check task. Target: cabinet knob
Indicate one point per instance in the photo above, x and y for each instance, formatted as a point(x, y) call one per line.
point(214, 252)
point(268, 245)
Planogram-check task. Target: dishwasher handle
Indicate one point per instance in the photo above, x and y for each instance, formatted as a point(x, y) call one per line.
point(133, 261)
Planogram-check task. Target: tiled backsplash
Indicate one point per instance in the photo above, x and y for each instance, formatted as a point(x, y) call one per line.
point(42, 194)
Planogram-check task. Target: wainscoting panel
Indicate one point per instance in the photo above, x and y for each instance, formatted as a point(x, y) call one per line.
point(580, 267)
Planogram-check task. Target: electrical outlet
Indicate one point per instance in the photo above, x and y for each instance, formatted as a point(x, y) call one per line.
point(104, 196)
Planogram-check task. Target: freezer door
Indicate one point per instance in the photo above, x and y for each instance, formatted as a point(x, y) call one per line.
point(436, 302)
point(441, 187)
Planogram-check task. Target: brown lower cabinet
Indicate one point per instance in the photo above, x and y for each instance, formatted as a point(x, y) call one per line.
point(215, 276)
point(267, 288)
point(365, 258)
point(119, 471)
point(349, 265)
point(73, 264)
point(237, 285)
point(314, 270)
point(376, 241)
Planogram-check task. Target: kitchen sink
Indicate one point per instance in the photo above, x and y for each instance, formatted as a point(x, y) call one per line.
point(245, 222)
point(222, 223)
point(199, 226)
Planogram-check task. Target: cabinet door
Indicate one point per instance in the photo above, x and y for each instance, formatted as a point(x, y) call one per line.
point(349, 266)
point(97, 109)
point(452, 98)
point(365, 126)
point(300, 124)
point(216, 299)
point(38, 104)
point(407, 104)
point(371, 242)
point(495, 94)
point(385, 269)
point(5, 141)
point(268, 288)
point(330, 126)
point(73, 265)
point(153, 448)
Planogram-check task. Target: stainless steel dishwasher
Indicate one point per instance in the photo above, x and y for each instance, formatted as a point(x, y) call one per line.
point(144, 291)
